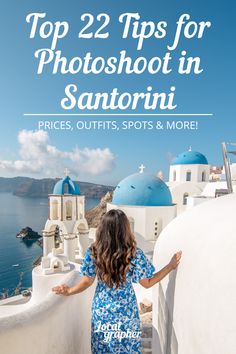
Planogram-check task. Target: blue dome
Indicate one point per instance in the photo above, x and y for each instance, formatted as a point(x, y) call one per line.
point(143, 190)
point(190, 158)
point(66, 186)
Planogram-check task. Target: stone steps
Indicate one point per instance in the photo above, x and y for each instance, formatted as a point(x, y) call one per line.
point(146, 326)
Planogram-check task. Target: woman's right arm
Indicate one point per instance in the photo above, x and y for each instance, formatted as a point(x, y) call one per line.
point(173, 264)
point(82, 285)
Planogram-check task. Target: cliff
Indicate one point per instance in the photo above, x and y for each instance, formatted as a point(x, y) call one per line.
point(31, 187)
point(95, 214)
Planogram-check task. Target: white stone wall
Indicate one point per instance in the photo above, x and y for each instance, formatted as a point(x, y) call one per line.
point(179, 189)
point(48, 323)
point(194, 307)
point(51, 323)
point(196, 172)
point(78, 205)
point(147, 219)
point(197, 200)
point(160, 215)
point(136, 213)
point(210, 188)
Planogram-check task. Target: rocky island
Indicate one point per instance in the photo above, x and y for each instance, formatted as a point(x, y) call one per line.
point(27, 234)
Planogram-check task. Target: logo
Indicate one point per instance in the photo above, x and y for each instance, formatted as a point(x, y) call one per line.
point(114, 331)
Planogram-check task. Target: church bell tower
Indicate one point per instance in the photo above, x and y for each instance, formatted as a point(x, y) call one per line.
point(66, 226)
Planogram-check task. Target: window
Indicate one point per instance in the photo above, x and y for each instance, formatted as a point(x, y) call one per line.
point(54, 210)
point(174, 175)
point(203, 176)
point(66, 188)
point(57, 237)
point(69, 210)
point(188, 176)
point(81, 210)
point(185, 196)
point(131, 221)
point(156, 229)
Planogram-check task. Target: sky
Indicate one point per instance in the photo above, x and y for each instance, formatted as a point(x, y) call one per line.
point(108, 156)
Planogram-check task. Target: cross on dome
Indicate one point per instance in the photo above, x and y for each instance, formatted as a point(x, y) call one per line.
point(190, 148)
point(141, 168)
point(66, 172)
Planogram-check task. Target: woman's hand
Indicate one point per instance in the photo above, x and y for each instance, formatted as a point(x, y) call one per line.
point(84, 283)
point(174, 262)
point(61, 289)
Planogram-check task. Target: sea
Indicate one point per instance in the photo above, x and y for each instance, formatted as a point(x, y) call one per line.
point(17, 256)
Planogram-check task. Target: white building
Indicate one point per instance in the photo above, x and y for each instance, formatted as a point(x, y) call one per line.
point(147, 202)
point(191, 182)
point(189, 174)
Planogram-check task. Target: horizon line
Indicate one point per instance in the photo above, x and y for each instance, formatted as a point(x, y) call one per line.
point(118, 114)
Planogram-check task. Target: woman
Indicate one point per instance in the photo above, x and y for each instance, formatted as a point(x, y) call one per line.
point(117, 261)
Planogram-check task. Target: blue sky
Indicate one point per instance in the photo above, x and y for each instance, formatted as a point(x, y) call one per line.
point(22, 90)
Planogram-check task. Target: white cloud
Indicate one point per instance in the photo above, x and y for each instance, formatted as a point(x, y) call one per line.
point(38, 157)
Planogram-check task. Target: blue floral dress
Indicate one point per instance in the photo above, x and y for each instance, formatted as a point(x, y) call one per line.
point(115, 314)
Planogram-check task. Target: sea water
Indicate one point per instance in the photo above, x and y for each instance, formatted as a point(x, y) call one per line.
point(16, 213)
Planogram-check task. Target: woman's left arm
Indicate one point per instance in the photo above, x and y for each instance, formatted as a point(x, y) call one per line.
point(82, 285)
point(173, 264)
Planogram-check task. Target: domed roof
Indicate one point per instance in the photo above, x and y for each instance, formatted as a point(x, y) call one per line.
point(66, 186)
point(190, 158)
point(142, 189)
point(200, 295)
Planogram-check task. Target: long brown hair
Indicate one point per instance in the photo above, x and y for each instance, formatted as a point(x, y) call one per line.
point(114, 248)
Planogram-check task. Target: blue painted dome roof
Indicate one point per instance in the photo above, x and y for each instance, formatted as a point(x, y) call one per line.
point(142, 189)
point(66, 186)
point(190, 158)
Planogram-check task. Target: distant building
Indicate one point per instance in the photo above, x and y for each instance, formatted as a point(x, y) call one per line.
point(189, 174)
point(193, 181)
point(216, 173)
